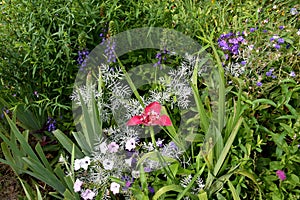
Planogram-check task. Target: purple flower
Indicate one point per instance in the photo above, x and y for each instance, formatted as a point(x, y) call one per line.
point(233, 41)
point(151, 189)
point(265, 31)
point(272, 39)
point(281, 175)
point(269, 73)
point(281, 27)
point(51, 124)
point(243, 62)
point(292, 74)
point(280, 40)
point(147, 169)
point(252, 30)
point(277, 46)
point(223, 44)
point(259, 84)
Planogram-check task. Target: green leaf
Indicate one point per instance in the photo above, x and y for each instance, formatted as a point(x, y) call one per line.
point(67, 143)
point(227, 147)
point(233, 191)
point(166, 189)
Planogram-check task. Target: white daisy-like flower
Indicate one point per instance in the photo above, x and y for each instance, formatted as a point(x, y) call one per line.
point(108, 164)
point(115, 188)
point(130, 144)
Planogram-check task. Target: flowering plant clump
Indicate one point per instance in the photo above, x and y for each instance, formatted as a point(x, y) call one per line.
point(117, 160)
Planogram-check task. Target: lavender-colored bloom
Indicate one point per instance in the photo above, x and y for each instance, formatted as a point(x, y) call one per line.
point(223, 44)
point(293, 11)
point(226, 56)
point(272, 39)
point(277, 46)
point(269, 73)
point(259, 84)
point(235, 49)
point(292, 74)
point(281, 175)
point(265, 31)
point(240, 39)
point(274, 76)
point(243, 62)
point(280, 40)
point(147, 169)
point(233, 41)
point(281, 27)
point(252, 30)
point(88, 194)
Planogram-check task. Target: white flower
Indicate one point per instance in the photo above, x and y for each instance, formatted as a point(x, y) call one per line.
point(61, 159)
point(77, 185)
point(77, 164)
point(135, 174)
point(82, 163)
point(130, 144)
point(85, 162)
point(108, 164)
point(113, 147)
point(115, 187)
point(103, 147)
point(128, 161)
point(298, 33)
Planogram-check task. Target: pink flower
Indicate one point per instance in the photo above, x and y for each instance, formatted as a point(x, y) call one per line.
point(88, 194)
point(281, 174)
point(113, 147)
point(150, 117)
point(77, 185)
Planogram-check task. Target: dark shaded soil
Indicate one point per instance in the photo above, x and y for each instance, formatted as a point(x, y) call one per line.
point(10, 187)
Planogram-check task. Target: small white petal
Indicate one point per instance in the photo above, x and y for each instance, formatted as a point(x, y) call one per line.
point(115, 188)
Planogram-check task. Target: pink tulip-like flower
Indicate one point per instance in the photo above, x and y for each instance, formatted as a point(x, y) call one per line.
point(150, 117)
point(281, 175)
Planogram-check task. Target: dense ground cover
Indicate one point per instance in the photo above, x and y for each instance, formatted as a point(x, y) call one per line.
point(229, 119)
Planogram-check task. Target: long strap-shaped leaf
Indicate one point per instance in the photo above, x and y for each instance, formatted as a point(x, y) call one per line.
point(227, 147)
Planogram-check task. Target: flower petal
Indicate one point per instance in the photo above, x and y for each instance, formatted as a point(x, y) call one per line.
point(165, 121)
point(154, 106)
point(135, 120)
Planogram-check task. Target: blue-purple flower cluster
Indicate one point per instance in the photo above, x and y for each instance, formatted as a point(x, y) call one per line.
point(51, 124)
point(110, 51)
point(82, 58)
point(161, 56)
point(230, 43)
point(277, 41)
